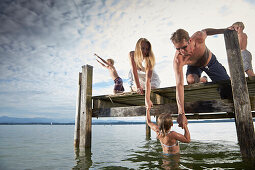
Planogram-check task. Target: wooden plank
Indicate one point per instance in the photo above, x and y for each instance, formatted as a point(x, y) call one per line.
point(190, 107)
point(160, 99)
point(106, 104)
point(86, 107)
point(244, 122)
point(77, 116)
point(194, 92)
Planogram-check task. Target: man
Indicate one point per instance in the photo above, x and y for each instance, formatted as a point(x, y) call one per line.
point(193, 52)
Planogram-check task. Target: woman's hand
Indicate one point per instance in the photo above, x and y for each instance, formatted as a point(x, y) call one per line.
point(148, 104)
point(139, 90)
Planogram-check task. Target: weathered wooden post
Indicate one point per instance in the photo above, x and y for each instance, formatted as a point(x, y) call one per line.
point(148, 131)
point(86, 107)
point(243, 115)
point(77, 116)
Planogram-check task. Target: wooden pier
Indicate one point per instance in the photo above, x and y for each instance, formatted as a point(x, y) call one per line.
point(233, 98)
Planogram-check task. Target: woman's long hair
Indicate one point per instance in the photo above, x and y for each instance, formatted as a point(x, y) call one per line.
point(138, 56)
point(164, 122)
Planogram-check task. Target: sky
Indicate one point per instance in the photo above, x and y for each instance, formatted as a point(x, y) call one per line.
point(44, 44)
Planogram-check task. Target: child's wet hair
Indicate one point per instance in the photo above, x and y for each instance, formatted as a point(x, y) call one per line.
point(165, 122)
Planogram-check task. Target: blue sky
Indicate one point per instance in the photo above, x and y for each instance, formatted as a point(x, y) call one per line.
point(43, 45)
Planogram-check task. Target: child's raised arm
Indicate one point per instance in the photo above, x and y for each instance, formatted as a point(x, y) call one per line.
point(101, 59)
point(183, 138)
point(101, 63)
point(153, 126)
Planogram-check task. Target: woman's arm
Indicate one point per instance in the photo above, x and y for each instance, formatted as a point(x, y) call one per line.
point(134, 71)
point(148, 102)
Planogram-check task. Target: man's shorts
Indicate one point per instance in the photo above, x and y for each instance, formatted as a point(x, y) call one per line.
point(214, 70)
point(118, 85)
point(247, 64)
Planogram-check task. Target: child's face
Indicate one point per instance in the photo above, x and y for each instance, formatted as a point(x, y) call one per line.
point(237, 28)
point(109, 62)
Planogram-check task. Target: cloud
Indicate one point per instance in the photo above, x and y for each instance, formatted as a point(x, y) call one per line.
point(43, 45)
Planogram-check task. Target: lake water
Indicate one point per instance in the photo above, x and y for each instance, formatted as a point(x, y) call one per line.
point(213, 146)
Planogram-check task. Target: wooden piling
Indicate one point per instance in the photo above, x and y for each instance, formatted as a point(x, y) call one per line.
point(242, 106)
point(148, 131)
point(77, 116)
point(86, 107)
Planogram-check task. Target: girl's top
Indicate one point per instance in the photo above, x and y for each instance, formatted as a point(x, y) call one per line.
point(155, 81)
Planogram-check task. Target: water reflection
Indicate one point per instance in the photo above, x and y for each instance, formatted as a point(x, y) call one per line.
point(196, 155)
point(148, 155)
point(83, 158)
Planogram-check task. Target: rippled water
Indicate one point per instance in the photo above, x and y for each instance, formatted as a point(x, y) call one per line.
point(213, 146)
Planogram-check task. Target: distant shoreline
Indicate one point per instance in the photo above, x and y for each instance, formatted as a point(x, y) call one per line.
point(122, 122)
point(125, 123)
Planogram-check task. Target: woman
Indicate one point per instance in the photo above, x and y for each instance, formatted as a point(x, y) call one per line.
point(142, 75)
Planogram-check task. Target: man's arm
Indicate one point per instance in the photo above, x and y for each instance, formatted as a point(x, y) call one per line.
point(178, 70)
point(212, 31)
point(179, 62)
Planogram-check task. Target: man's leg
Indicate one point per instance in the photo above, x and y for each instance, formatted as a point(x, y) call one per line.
point(192, 78)
point(215, 70)
point(193, 74)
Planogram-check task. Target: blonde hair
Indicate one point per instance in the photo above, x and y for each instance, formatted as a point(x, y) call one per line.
point(239, 24)
point(138, 56)
point(111, 61)
point(165, 122)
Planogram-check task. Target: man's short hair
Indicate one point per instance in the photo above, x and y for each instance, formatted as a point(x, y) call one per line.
point(179, 35)
point(239, 24)
point(111, 61)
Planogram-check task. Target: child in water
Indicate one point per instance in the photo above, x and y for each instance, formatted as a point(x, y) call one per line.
point(168, 139)
point(118, 83)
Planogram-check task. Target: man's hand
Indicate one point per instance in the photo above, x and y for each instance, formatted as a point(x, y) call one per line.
point(182, 120)
point(180, 59)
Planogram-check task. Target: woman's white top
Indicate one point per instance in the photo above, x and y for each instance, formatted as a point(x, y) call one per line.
point(155, 81)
